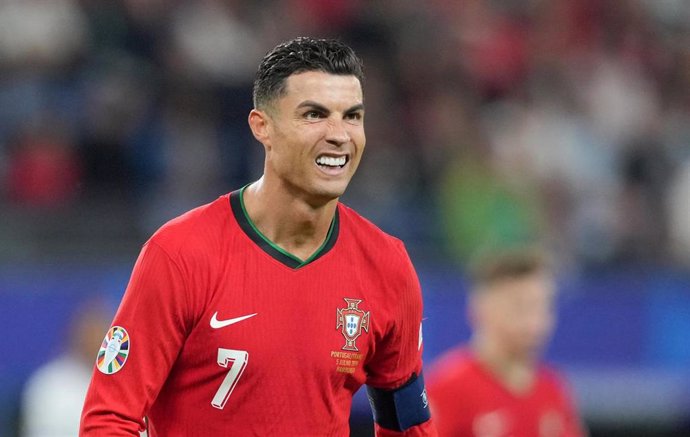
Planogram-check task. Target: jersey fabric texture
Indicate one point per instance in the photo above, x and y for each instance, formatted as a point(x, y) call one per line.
point(468, 401)
point(231, 335)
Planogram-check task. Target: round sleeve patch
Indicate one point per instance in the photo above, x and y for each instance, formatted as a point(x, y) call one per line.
point(114, 351)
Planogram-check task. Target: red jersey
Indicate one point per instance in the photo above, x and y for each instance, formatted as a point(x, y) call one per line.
point(220, 332)
point(468, 401)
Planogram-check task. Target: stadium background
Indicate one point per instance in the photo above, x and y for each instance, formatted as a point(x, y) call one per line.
point(487, 122)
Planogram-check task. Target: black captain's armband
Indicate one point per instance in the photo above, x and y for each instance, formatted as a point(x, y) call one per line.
point(401, 408)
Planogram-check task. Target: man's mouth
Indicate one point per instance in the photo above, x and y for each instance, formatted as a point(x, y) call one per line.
point(331, 161)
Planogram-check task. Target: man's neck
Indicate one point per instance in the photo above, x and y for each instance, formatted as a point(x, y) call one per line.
point(516, 374)
point(287, 221)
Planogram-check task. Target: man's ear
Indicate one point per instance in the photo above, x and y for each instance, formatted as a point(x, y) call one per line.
point(259, 124)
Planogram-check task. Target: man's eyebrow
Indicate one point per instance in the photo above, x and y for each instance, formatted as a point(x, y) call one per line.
point(355, 108)
point(313, 105)
point(319, 107)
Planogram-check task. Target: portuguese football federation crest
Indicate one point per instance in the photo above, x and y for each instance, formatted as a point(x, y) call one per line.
point(352, 320)
point(114, 351)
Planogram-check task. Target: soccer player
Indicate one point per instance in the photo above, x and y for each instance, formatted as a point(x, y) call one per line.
point(497, 386)
point(263, 312)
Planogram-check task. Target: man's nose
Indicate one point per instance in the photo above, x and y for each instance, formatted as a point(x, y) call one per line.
point(337, 132)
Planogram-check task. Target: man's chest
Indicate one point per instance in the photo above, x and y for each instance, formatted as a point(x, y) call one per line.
point(277, 330)
point(498, 414)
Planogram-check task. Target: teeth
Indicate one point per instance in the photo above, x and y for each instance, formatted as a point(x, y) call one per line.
point(330, 161)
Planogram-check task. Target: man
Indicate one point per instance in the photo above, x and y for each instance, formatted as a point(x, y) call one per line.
point(497, 387)
point(263, 312)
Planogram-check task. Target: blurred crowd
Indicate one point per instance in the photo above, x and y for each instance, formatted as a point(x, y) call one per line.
point(488, 121)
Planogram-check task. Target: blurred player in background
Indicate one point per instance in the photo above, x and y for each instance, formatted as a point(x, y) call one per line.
point(496, 386)
point(54, 395)
point(263, 312)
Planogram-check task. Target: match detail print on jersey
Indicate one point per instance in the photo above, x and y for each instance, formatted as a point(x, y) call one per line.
point(351, 321)
point(114, 350)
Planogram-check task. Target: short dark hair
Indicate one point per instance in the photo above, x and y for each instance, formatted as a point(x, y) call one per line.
point(299, 55)
point(491, 266)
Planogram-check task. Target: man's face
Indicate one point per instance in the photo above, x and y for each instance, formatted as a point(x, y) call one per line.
point(517, 314)
point(315, 136)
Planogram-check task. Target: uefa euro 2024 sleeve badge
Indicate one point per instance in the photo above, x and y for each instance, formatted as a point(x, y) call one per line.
point(114, 350)
point(352, 320)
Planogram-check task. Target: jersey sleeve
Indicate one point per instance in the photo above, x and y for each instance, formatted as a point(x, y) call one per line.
point(153, 312)
point(398, 356)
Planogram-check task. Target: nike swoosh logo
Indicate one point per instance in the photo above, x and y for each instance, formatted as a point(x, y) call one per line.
point(216, 324)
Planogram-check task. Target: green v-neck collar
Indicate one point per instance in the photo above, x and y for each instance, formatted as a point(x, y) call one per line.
point(281, 255)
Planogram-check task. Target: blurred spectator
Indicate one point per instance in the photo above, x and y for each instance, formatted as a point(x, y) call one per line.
point(642, 227)
point(40, 33)
point(679, 214)
point(118, 98)
point(54, 395)
point(189, 156)
point(478, 207)
point(542, 140)
point(316, 16)
point(43, 169)
point(489, 42)
point(480, 202)
point(213, 43)
point(581, 107)
point(496, 386)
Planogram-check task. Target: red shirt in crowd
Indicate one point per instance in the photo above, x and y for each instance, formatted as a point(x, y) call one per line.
point(467, 400)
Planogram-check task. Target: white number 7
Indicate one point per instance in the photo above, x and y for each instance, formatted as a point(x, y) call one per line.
point(239, 362)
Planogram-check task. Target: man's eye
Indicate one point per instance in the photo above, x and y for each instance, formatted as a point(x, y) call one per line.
point(354, 116)
point(312, 115)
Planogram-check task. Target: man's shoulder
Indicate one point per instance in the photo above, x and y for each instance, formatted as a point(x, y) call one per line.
point(201, 221)
point(364, 230)
point(455, 363)
point(550, 377)
point(455, 371)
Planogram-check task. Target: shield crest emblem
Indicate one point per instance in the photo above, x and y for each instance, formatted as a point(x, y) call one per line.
point(352, 324)
point(351, 321)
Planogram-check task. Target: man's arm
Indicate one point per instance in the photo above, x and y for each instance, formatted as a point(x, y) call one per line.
point(395, 383)
point(403, 411)
point(425, 429)
point(152, 316)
